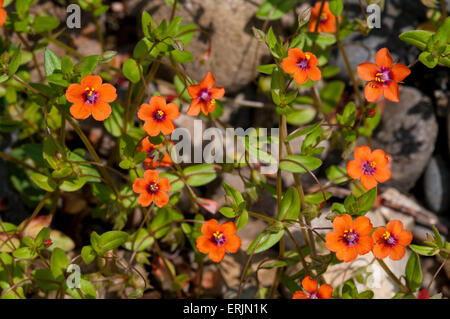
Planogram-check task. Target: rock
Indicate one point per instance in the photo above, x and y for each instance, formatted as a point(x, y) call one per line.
point(407, 132)
point(436, 185)
point(234, 51)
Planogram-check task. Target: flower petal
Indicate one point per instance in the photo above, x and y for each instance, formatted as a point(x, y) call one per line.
point(368, 181)
point(347, 254)
point(365, 244)
point(74, 93)
point(101, 111)
point(146, 111)
point(395, 227)
point(334, 242)
point(140, 185)
point(381, 251)
point(399, 72)
point(373, 91)
point(208, 81)
point(325, 291)
point(92, 82)
point(164, 184)
point(391, 92)
point(151, 176)
point(362, 225)
point(3, 16)
point(289, 65)
point(380, 158)
point(152, 128)
point(233, 243)
point(145, 199)
point(217, 253)
point(161, 199)
point(296, 54)
point(342, 223)
point(172, 111)
point(158, 102)
point(80, 111)
point(300, 77)
point(194, 108)
point(382, 174)
point(404, 238)
point(397, 252)
point(383, 59)
point(309, 284)
point(194, 90)
point(217, 92)
point(377, 234)
point(362, 153)
point(210, 227)
point(228, 228)
point(314, 73)
point(354, 169)
point(204, 244)
point(107, 93)
point(300, 295)
point(167, 127)
point(367, 71)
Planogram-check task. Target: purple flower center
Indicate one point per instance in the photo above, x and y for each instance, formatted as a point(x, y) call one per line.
point(150, 151)
point(351, 237)
point(204, 96)
point(159, 115)
point(152, 188)
point(303, 64)
point(369, 168)
point(90, 96)
point(389, 239)
point(313, 295)
point(323, 18)
point(384, 76)
point(218, 239)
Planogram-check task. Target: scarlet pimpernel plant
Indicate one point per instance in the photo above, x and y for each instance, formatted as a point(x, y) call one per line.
point(103, 173)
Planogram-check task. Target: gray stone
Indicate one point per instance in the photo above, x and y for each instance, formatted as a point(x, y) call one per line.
point(436, 185)
point(407, 132)
point(235, 52)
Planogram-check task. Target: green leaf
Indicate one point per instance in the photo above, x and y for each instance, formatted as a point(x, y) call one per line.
point(302, 116)
point(437, 237)
point(290, 205)
point(131, 70)
point(44, 24)
point(274, 9)
point(14, 64)
point(304, 131)
point(142, 48)
point(44, 234)
point(43, 181)
point(264, 241)
point(348, 117)
point(317, 198)
point(266, 68)
point(182, 56)
point(418, 38)
point(297, 163)
point(58, 263)
point(242, 220)
point(336, 174)
point(24, 253)
point(425, 250)
point(51, 62)
point(336, 7)
point(228, 212)
point(180, 281)
point(8, 125)
point(107, 241)
point(428, 59)
point(89, 64)
point(201, 174)
point(331, 94)
point(88, 254)
point(413, 272)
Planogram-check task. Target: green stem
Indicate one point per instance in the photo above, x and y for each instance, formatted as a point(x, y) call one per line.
point(393, 277)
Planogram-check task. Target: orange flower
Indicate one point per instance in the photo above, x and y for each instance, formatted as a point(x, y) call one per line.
point(2, 14)
point(310, 286)
point(302, 65)
point(91, 97)
point(383, 76)
point(391, 241)
point(204, 95)
point(158, 116)
point(152, 188)
point(217, 239)
point(150, 149)
point(370, 167)
point(350, 238)
point(327, 21)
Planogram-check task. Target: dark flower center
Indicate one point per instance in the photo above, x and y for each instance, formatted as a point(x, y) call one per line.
point(351, 237)
point(152, 188)
point(323, 18)
point(204, 96)
point(159, 115)
point(303, 64)
point(369, 168)
point(90, 96)
point(389, 239)
point(218, 239)
point(150, 152)
point(383, 76)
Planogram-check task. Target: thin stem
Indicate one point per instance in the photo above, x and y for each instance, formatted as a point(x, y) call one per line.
point(299, 251)
point(99, 33)
point(393, 276)
point(443, 10)
point(436, 273)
